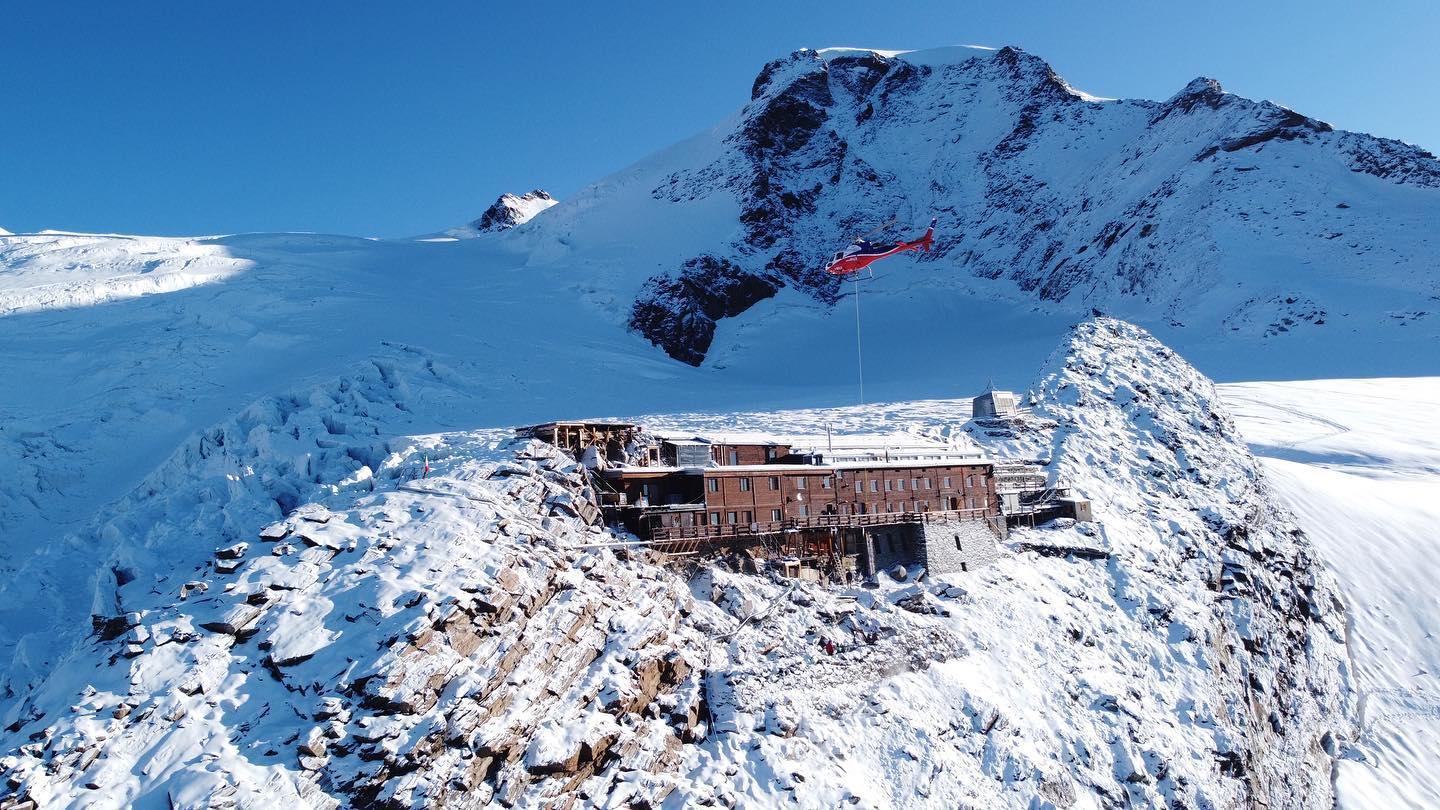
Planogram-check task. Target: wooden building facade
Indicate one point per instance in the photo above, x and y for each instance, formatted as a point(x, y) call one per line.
point(875, 500)
point(807, 510)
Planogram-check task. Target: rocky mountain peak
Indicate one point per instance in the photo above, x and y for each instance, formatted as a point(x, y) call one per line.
point(1200, 91)
point(1200, 85)
point(1031, 73)
point(511, 210)
point(779, 72)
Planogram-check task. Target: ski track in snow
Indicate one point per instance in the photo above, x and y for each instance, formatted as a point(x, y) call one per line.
point(1358, 463)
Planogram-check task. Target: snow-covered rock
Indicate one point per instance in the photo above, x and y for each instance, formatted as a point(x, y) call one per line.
point(458, 636)
point(507, 212)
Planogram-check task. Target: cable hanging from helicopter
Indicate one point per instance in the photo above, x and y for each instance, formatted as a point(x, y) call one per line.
point(860, 255)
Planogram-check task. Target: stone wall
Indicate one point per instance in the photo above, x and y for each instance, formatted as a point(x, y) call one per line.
point(891, 546)
point(955, 545)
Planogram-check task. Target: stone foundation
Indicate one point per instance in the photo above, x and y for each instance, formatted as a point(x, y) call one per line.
point(956, 545)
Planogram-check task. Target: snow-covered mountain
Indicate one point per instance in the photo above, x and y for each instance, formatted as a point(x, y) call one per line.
point(1207, 211)
point(353, 633)
point(1303, 253)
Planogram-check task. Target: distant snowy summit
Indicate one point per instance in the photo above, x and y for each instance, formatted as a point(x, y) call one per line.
point(507, 212)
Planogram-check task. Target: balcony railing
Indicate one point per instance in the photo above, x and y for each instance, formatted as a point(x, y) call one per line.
point(733, 530)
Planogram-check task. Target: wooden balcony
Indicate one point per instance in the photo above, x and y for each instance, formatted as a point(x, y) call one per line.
point(674, 534)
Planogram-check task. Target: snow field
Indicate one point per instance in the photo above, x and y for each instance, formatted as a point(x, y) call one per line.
point(1358, 464)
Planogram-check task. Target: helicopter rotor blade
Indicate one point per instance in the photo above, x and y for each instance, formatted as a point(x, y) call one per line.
point(879, 229)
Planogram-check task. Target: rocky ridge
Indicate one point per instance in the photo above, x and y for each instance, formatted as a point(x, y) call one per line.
point(1121, 415)
point(348, 628)
point(460, 634)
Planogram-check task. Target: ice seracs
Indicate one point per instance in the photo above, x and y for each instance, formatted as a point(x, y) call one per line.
point(55, 270)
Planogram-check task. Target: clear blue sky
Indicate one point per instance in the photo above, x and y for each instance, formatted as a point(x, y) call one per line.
point(399, 118)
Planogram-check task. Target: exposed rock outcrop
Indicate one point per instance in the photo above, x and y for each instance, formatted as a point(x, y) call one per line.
point(511, 210)
point(678, 313)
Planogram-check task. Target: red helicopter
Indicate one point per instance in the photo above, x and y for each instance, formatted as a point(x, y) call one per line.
point(862, 253)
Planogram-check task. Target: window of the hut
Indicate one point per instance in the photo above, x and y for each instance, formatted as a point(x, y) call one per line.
point(712, 484)
point(715, 518)
point(800, 482)
point(769, 454)
point(775, 515)
point(927, 483)
point(859, 486)
point(889, 484)
point(804, 510)
point(914, 484)
point(734, 457)
point(875, 485)
point(744, 484)
point(774, 482)
point(946, 482)
point(749, 517)
point(826, 482)
point(732, 518)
